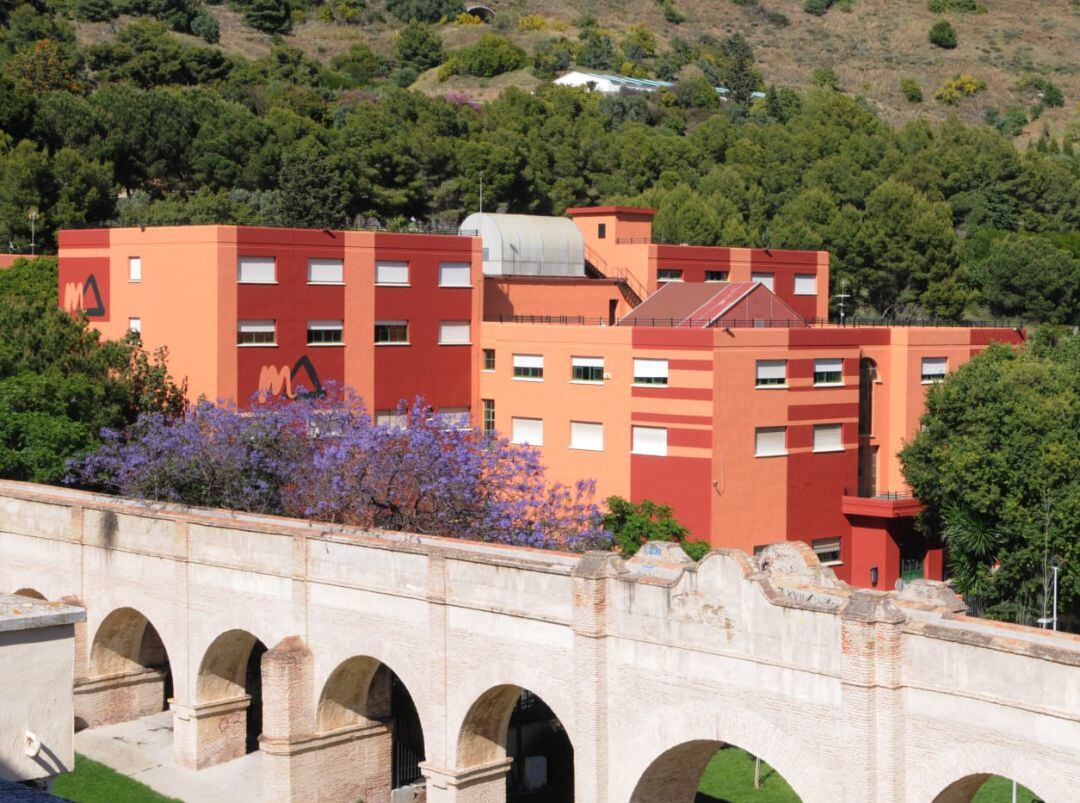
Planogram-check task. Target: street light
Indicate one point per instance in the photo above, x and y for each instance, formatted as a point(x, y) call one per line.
point(1055, 566)
point(32, 213)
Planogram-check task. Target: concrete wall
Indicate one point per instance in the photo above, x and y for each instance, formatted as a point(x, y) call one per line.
point(649, 664)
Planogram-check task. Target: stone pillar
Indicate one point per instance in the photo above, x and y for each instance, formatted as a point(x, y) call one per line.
point(871, 643)
point(485, 783)
point(288, 717)
point(205, 734)
point(119, 697)
point(590, 583)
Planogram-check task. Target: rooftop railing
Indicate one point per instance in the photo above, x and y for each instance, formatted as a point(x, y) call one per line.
point(753, 323)
point(369, 225)
point(886, 495)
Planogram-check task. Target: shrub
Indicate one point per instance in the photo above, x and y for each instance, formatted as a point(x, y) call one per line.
point(552, 56)
point(464, 18)
point(205, 25)
point(955, 90)
point(419, 46)
point(696, 92)
point(777, 19)
point(269, 16)
point(826, 78)
point(531, 22)
point(491, 55)
point(847, 6)
point(597, 51)
point(911, 89)
point(424, 10)
point(95, 10)
point(943, 35)
point(817, 7)
point(671, 14)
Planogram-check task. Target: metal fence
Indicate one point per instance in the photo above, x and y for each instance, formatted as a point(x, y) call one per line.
point(753, 323)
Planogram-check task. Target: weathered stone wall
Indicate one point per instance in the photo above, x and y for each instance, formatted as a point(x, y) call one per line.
point(649, 664)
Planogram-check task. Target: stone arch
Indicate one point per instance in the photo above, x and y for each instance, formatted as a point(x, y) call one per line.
point(231, 671)
point(485, 13)
point(963, 790)
point(956, 775)
point(30, 593)
point(126, 641)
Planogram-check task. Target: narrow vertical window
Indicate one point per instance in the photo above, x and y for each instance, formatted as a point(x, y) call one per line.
point(134, 269)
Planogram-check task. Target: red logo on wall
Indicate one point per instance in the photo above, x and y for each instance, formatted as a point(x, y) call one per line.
point(278, 380)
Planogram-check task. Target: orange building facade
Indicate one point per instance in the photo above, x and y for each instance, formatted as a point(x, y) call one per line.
point(702, 378)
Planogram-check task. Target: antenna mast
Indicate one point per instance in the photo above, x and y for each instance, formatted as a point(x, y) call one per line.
point(842, 296)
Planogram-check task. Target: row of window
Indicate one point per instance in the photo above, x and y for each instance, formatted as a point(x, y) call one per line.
point(585, 370)
point(772, 441)
point(331, 333)
point(805, 283)
point(773, 373)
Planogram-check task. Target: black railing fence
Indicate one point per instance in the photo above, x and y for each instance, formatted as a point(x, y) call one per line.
point(752, 323)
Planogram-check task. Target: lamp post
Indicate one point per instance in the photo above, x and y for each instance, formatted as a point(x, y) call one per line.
point(1052, 620)
point(32, 213)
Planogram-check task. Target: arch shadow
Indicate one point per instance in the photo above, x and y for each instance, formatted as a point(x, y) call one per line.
point(30, 593)
point(231, 668)
point(964, 789)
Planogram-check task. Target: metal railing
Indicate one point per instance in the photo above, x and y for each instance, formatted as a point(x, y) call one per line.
point(748, 323)
point(886, 495)
point(367, 225)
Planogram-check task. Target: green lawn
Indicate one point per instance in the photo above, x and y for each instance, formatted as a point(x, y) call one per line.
point(95, 783)
point(730, 778)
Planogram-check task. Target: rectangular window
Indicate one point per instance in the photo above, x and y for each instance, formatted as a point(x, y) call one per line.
point(322, 333)
point(716, 275)
point(453, 418)
point(325, 271)
point(650, 372)
point(827, 550)
point(489, 416)
point(934, 369)
point(256, 333)
point(454, 333)
point(601, 231)
point(527, 431)
point(488, 363)
point(455, 274)
point(668, 275)
point(649, 440)
point(829, 372)
point(770, 441)
point(134, 269)
point(828, 438)
point(586, 436)
point(805, 284)
point(135, 324)
point(766, 279)
point(392, 273)
point(529, 366)
point(256, 270)
point(587, 369)
point(391, 332)
point(390, 418)
point(771, 373)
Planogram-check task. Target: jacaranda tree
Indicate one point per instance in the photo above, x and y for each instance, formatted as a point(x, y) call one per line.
point(322, 458)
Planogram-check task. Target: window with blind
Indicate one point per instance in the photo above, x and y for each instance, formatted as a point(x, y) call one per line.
point(135, 325)
point(134, 269)
point(829, 371)
point(529, 366)
point(256, 333)
point(827, 550)
point(587, 436)
point(325, 333)
point(325, 271)
point(649, 440)
point(650, 372)
point(391, 418)
point(389, 333)
point(454, 333)
point(770, 441)
point(392, 273)
point(766, 279)
point(455, 274)
point(828, 438)
point(771, 373)
point(449, 418)
point(256, 270)
point(527, 431)
point(587, 369)
point(805, 284)
point(934, 369)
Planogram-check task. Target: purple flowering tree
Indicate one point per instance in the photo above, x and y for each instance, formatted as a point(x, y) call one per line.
point(322, 458)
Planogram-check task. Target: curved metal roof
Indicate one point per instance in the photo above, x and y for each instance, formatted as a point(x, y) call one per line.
point(528, 245)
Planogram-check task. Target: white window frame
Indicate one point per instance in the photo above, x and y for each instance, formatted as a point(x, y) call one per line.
point(325, 326)
point(933, 376)
point(405, 342)
point(454, 269)
point(587, 362)
point(803, 278)
point(455, 326)
point(649, 441)
point(134, 269)
point(256, 326)
point(253, 263)
point(527, 362)
point(759, 432)
point(830, 361)
point(391, 418)
point(828, 444)
point(825, 546)
point(766, 279)
point(649, 368)
point(587, 436)
point(766, 370)
point(674, 275)
point(135, 325)
point(483, 361)
point(453, 418)
point(392, 268)
point(324, 264)
point(523, 439)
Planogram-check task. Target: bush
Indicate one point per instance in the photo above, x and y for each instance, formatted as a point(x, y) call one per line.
point(826, 78)
point(269, 16)
point(360, 65)
point(490, 56)
point(817, 7)
point(424, 10)
point(1011, 124)
point(943, 35)
point(777, 19)
point(205, 25)
point(419, 46)
point(531, 22)
point(953, 91)
point(464, 18)
point(95, 10)
point(911, 89)
point(552, 56)
point(696, 92)
point(597, 52)
point(671, 14)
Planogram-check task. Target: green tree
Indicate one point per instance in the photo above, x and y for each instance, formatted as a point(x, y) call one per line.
point(997, 462)
point(269, 16)
point(1028, 277)
point(634, 524)
point(942, 34)
point(491, 55)
point(312, 192)
point(419, 46)
point(59, 383)
point(683, 217)
point(424, 10)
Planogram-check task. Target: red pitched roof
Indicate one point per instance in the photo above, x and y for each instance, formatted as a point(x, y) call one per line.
point(694, 304)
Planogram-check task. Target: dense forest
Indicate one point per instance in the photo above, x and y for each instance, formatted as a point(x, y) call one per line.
point(930, 219)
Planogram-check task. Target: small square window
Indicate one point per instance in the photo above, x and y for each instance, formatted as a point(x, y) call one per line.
point(934, 369)
point(488, 363)
point(650, 372)
point(587, 436)
point(587, 369)
point(135, 325)
point(454, 333)
point(716, 276)
point(325, 333)
point(771, 373)
point(766, 279)
point(827, 551)
point(649, 440)
point(805, 284)
point(829, 372)
point(391, 333)
point(392, 273)
point(455, 274)
point(256, 333)
point(529, 366)
point(828, 438)
point(770, 441)
point(601, 231)
point(527, 431)
point(256, 270)
point(325, 271)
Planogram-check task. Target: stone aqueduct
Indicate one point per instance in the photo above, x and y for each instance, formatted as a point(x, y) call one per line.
point(851, 695)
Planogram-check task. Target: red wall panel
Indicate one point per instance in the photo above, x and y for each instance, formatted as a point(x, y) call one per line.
point(684, 483)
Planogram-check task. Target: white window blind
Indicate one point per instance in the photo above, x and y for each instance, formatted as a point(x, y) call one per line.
point(588, 436)
point(805, 284)
point(390, 418)
point(771, 372)
point(827, 438)
point(650, 372)
point(527, 431)
point(454, 333)
point(765, 278)
point(391, 273)
point(325, 271)
point(588, 362)
point(529, 366)
point(261, 327)
point(134, 269)
point(934, 368)
point(587, 369)
point(829, 371)
point(255, 333)
point(454, 274)
point(135, 324)
point(325, 332)
point(453, 417)
point(770, 441)
point(827, 550)
point(649, 440)
point(256, 270)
